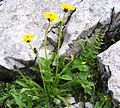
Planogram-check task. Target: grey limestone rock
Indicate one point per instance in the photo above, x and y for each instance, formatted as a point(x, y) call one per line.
point(111, 58)
point(71, 100)
point(79, 105)
point(20, 16)
point(88, 105)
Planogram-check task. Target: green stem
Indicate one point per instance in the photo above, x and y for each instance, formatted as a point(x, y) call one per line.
point(59, 42)
point(25, 79)
point(45, 48)
point(64, 100)
point(45, 40)
point(43, 83)
point(39, 68)
point(32, 49)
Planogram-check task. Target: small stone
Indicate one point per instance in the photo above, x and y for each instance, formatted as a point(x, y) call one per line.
point(88, 105)
point(71, 100)
point(79, 105)
point(71, 106)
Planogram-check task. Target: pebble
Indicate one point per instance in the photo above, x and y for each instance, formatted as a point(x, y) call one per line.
point(88, 105)
point(71, 100)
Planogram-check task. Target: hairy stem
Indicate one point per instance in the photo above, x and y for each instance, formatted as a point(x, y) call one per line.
point(58, 48)
point(45, 40)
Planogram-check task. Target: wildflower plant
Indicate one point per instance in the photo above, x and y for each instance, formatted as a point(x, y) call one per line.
point(52, 78)
point(57, 82)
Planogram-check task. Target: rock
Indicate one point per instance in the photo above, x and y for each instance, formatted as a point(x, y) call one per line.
point(108, 32)
point(71, 106)
point(79, 105)
point(71, 100)
point(1, 0)
point(111, 58)
point(10, 76)
point(88, 13)
point(20, 16)
point(88, 105)
point(72, 103)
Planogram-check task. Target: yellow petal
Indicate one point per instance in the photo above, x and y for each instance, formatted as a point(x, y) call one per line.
point(27, 37)
point(67, 6)
point(51, 16)
point(83, 63)
point(72, 56)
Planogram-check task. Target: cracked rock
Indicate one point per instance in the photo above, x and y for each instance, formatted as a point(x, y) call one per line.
point(21, 16)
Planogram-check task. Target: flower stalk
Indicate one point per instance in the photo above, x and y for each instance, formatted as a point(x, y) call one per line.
point(44, 85)
point(45, 40)
point(58, 48)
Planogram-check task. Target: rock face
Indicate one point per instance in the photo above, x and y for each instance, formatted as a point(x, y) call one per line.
point(111, 58)
point(21, 16)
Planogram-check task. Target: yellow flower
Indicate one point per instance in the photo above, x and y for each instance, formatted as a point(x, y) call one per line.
point(27, 37)
point(83, 63)
point(67, 7)
point(72, 57)
point(51, 16)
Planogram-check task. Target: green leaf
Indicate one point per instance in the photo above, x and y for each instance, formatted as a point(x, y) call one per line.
point(36, 85)
point(107, 105)
point(44, 64)
point(18, 100)
point(76, 62)
point(66, 77)
point(35, 98)
point(83, 67)
point(83, 76)
point(21, 83)
point(63, 99)
point(62, 62)
point(97, 105)
point(48, 79)
point(23, 90)
point(57, 101)
point(33, 68)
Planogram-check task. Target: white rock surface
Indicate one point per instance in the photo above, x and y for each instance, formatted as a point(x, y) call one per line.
point(20, 16)
point(88, 105)
point(79, 105)
point(71, 100)
point(111, 58)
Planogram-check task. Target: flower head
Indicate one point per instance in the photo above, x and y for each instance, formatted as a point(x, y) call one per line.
point(72, 57)
point(106, 97)
point(27, 37)
point(51, 16)
point(83, 63)
point(66, 7)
